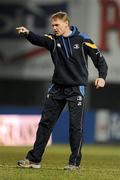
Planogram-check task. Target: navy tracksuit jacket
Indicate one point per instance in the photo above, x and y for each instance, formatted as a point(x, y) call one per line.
point(70, 58)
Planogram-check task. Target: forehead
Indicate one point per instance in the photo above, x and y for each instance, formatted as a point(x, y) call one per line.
point(57, 21)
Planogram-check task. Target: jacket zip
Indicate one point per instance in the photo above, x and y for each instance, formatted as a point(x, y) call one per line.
point(65, 47)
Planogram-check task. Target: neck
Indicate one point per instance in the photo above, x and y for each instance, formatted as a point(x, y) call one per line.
point(67, 32)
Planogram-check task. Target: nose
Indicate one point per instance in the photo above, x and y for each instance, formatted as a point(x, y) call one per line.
point(54, 28)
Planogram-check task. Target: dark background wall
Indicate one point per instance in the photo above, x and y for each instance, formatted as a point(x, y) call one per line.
point(22, 92)
point(107, 97)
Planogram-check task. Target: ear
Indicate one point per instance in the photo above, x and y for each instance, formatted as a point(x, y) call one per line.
point(67, 24)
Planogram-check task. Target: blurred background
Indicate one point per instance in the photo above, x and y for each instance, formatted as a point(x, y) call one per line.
point(26, 70)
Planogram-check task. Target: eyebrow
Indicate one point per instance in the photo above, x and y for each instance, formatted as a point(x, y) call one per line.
point(55, 24)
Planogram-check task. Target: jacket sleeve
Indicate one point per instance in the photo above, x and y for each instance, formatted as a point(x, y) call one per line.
point(97, 58)
point(45, 41)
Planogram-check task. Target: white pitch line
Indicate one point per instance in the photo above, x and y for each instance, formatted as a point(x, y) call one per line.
point(6, 165)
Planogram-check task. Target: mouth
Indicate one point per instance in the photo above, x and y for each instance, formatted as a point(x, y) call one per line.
point(57, 33)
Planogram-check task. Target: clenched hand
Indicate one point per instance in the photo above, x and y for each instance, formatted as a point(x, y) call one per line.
point(99, 82)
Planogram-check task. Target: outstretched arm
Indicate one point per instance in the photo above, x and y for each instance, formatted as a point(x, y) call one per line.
point(46, 41)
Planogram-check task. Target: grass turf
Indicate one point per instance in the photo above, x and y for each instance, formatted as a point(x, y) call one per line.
point(98, 163)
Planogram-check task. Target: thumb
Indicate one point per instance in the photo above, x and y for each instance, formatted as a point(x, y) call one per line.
point(96, 83)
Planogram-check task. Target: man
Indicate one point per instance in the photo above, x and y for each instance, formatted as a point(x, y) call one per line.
point(69, 50)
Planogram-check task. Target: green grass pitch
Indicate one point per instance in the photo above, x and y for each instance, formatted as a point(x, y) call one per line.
point(98, 163)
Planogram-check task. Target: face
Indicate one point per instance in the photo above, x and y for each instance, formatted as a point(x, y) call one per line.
point(59, 26)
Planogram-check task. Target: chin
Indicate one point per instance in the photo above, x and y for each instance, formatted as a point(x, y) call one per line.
point(58, 34)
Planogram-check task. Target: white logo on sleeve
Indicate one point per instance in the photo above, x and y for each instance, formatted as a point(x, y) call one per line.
point(58, 45)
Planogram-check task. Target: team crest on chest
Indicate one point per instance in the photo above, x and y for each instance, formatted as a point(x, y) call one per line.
point(76, 46)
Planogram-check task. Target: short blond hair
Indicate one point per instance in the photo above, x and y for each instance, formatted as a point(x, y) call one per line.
point(61, 15)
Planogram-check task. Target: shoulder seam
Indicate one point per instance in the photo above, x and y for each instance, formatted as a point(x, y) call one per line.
point(84, 36)
point(49, 36)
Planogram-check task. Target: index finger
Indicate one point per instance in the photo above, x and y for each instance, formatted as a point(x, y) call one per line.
point(18, 28)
